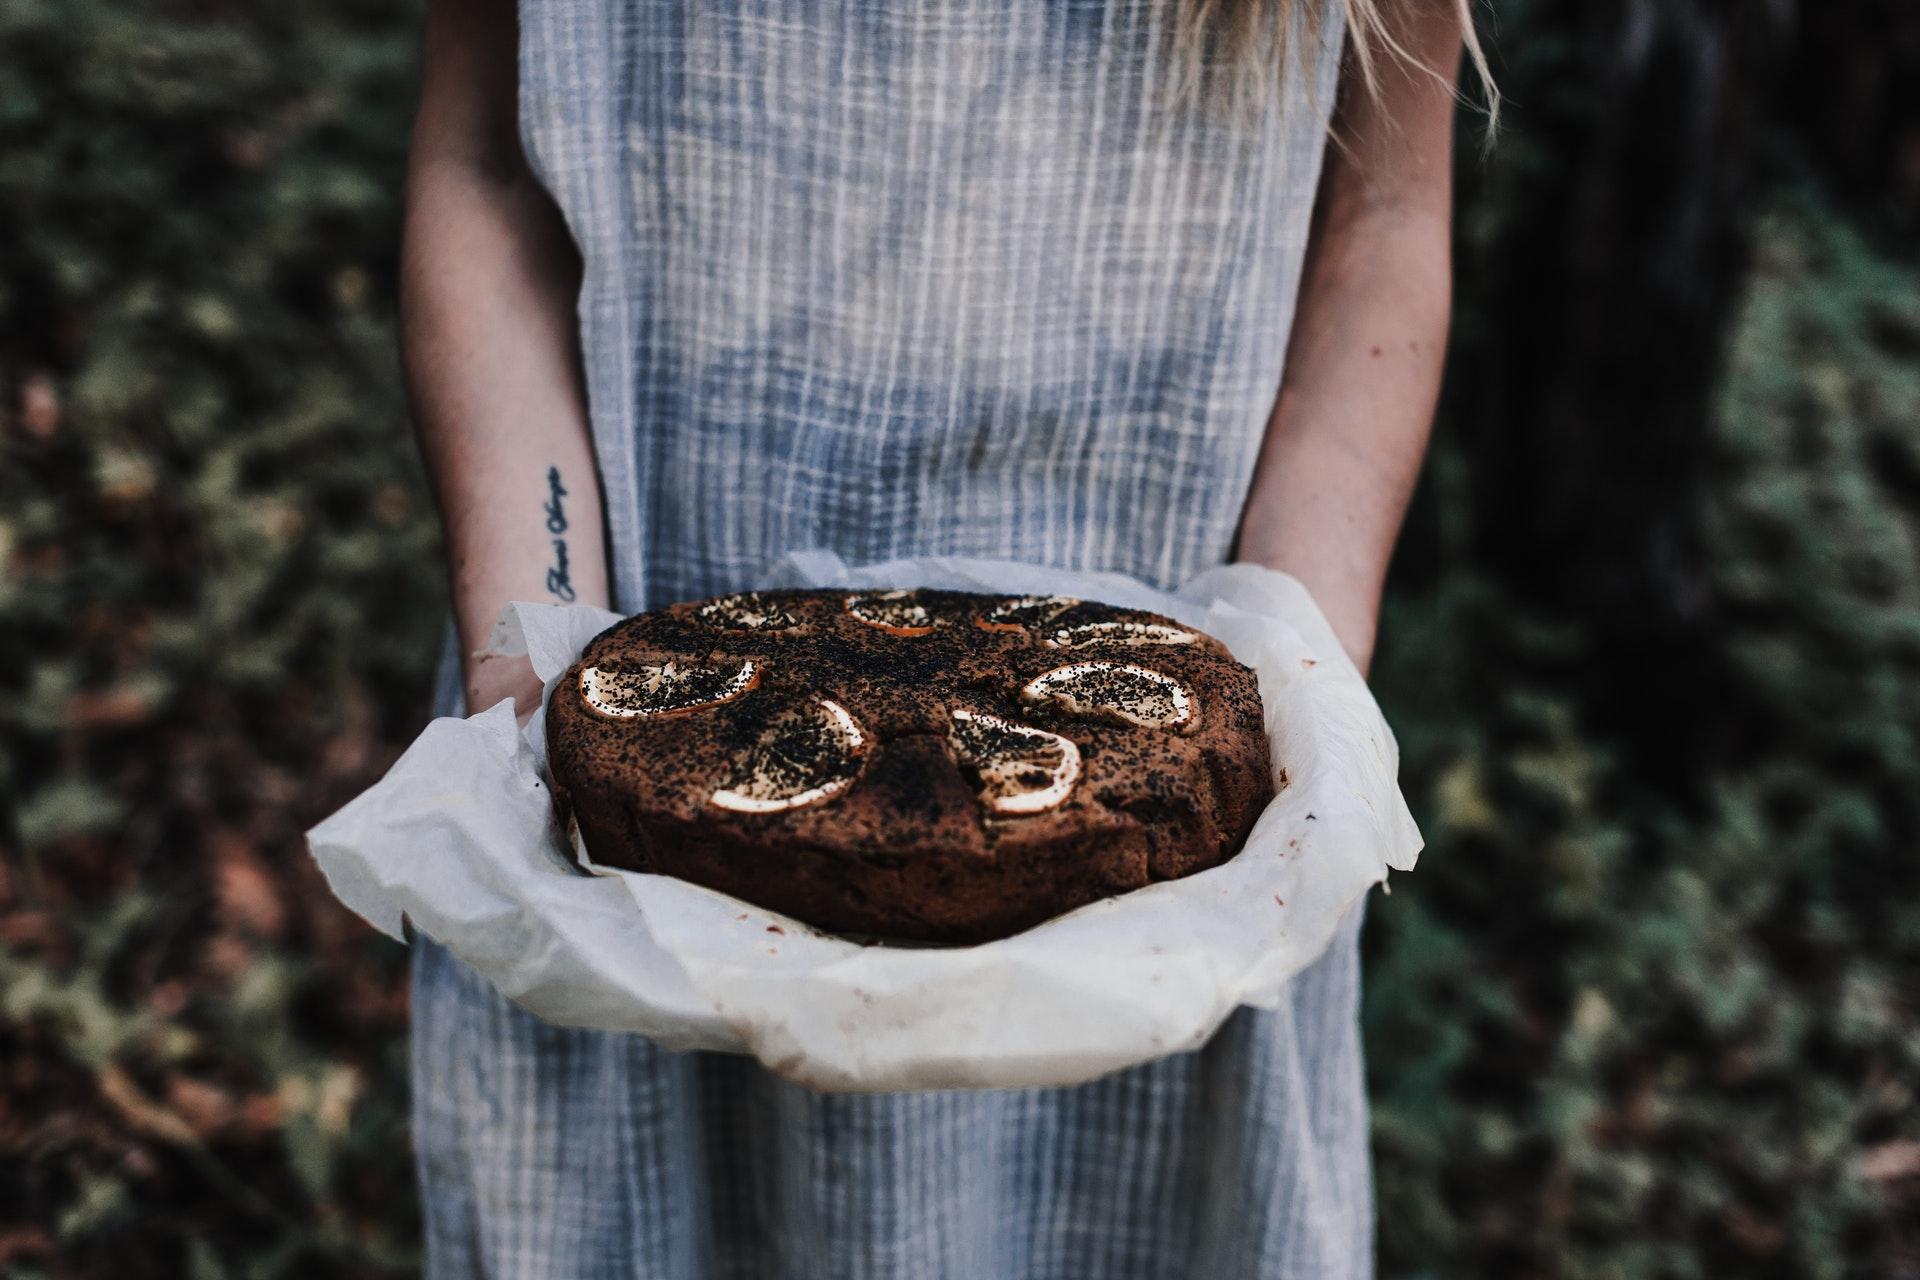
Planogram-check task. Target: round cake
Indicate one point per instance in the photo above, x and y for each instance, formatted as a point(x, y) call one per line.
point(928, 765)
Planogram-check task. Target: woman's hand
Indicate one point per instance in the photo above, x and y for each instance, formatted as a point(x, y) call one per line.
point(1352, 609)
point(493, 678)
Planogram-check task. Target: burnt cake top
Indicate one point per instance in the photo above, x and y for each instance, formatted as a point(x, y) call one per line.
point(792, 691)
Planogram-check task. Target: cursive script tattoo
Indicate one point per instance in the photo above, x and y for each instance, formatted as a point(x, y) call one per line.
point(559, 580)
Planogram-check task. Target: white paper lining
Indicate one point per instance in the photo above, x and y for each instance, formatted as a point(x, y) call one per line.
point(460, 838)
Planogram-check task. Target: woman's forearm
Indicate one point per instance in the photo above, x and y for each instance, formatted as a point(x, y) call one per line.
point(1349, 426)
point(492, 366)
point(489, 283)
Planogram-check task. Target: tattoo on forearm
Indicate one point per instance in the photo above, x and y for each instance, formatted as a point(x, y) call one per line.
point(559, 580)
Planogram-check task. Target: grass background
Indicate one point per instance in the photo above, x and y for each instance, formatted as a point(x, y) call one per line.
point(1651, 1006)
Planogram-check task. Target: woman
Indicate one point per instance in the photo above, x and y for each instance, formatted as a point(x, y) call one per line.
point(1010, 278)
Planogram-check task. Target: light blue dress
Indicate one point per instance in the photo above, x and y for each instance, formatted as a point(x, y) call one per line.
point(953, 276)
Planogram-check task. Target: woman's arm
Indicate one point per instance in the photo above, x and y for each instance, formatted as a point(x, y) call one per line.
point(489, 280)
point(1349, 427)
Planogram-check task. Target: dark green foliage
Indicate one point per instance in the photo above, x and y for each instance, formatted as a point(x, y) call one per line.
point(1630, 1024)
point(220, 599)
point(1648, 1008)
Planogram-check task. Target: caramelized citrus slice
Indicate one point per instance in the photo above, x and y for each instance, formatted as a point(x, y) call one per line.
point(1128, 633)
point(1024, 612)
point(897, 612)
point(1018, 769)
point(746, 611)
point(806, 755)
point(635, 690)
point(1117, 691)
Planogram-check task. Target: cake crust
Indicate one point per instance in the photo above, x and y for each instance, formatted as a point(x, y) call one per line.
point(848, 715)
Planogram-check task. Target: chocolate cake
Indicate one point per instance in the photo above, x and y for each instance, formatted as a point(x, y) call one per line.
point(929, 765)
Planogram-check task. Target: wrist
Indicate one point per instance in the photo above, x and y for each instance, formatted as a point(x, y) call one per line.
point(534, 534)
point(482, 591)
point(489, 679)
point(1347, 596)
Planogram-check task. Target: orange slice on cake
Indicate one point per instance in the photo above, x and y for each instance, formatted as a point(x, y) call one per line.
point(1023, 613)
point(1127, 633)
point(809, 754)
point(746, 611)
point(1120, 692)
point(899, 613)
point(637, 690)
point(1016, 768)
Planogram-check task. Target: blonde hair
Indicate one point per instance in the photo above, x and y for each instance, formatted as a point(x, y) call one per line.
point(1244, 38)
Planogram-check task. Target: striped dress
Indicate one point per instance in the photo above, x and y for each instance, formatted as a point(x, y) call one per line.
point(945, 277)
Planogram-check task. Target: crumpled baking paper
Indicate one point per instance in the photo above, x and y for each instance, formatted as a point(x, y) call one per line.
point(460, 838)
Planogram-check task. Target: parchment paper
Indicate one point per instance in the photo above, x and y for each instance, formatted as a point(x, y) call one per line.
point(460, 838)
